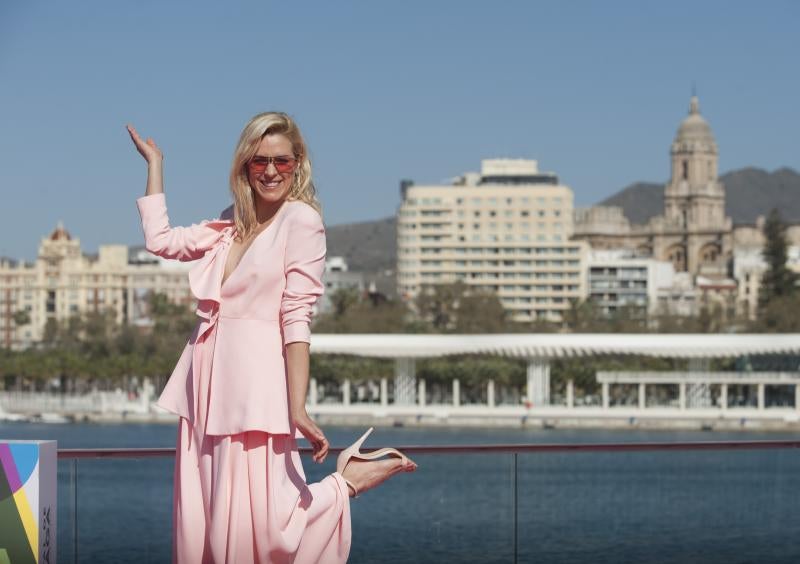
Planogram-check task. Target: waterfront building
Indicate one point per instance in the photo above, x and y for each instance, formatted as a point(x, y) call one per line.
point(680, 298)
point(64, 282)
point(338, 276)
point(748, 268)
point(618, 278)
point(506, 229)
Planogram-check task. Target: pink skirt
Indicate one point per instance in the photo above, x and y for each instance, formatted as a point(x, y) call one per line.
point(243, 498)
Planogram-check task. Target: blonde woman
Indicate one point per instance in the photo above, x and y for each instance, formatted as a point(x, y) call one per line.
point(240, 385)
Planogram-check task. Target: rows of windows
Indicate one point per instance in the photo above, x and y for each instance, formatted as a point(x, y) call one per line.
point(493, 276)
point(543, 263)
point(503, 292)
point(533, 300)
point(491, 200)
point(490, 225)
point(492, 250)
point(508, 214)
point(619, 272)
point(486, 238)
point(625, 284)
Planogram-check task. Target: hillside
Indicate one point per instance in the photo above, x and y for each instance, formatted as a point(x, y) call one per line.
point(368, 246)
point(749, 192)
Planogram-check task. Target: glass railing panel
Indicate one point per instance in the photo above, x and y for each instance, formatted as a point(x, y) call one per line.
point(67, 486)
point(121, 496)
point(659, 506)
point(454, 508)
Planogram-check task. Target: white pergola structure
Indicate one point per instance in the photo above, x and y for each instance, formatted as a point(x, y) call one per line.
point(540, 349)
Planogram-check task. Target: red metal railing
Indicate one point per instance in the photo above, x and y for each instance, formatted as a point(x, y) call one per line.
point(475, 449)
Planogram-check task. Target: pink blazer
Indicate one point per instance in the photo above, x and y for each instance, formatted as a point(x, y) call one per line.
point(264, 304)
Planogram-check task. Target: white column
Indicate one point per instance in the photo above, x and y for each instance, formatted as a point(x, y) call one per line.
point(405, 381)
point(570, 393)
point(313, 391)
point(642, 396)
point(761, 396)
point(456, 392)
point(346, 392)
point(723, 395)
point(421, 393)
point(538, 381)
point(384, 392)
point(682, 395)
point(606, 401)
point(146, 395)
point(490, 393)
point(797, 397)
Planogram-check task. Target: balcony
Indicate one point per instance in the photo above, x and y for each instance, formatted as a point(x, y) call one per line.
point(720, 501)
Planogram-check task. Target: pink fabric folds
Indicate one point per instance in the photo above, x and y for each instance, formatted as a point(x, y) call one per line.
point(265, 303)
point(240, 493)
point(243, 498)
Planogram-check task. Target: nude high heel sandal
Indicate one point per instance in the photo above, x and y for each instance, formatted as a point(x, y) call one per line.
point(354, 451)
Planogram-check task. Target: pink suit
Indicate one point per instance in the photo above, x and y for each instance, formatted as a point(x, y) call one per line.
point(240, 493)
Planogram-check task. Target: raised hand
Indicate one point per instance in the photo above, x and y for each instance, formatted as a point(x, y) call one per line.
point(148, 149)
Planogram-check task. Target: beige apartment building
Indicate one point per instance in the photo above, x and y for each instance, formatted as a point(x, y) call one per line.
point(506, 229)
point(64, 282)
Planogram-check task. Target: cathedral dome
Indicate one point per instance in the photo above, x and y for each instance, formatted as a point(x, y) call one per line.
point(60, 234)
point(694, 131)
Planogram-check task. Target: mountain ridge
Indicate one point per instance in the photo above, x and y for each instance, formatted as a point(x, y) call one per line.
point(749, 192)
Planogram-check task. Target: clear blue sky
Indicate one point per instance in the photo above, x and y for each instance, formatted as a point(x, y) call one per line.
point(382, 90)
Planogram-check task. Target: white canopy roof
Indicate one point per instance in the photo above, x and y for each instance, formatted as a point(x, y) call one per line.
point(550, 345)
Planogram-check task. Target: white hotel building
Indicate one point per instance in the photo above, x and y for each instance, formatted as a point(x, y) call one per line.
point(506, 229)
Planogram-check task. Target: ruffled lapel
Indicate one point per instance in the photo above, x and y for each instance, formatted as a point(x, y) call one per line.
point(205, 277)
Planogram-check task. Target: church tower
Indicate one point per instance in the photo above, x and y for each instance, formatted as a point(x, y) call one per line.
point(694, 199)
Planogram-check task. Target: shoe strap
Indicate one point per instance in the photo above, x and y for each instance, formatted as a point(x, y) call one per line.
point(352, 485)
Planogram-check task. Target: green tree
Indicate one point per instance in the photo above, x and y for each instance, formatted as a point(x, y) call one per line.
point(352, 313)
point(21, 318)
point(458, 308)
point(583, 316)
point(778, 281)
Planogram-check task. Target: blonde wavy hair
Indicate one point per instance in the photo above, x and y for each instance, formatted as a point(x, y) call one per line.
point(302, 189)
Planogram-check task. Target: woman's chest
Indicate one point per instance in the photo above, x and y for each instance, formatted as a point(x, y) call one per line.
point(255, 264)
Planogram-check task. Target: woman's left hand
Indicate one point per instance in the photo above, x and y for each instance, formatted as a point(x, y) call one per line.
point(314, 435)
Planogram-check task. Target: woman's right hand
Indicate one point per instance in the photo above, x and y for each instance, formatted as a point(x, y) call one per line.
point(313, 434)
point(148, 149)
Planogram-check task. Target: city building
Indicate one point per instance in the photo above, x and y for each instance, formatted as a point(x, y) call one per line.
point(693, 233)
point(748, 268)
point(64, 282)
point(506, 229)
point(618, 278)
point(717, 264)
point(338, 276)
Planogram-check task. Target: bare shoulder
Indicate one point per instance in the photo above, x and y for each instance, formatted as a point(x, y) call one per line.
point(303, 214)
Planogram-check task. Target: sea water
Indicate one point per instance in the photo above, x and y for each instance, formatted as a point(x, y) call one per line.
point(644, 507)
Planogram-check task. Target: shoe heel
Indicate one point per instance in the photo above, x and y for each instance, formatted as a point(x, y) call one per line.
point(363, 438)
point(354, 449)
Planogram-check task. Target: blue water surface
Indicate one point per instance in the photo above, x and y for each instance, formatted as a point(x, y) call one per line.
point(642, 507)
